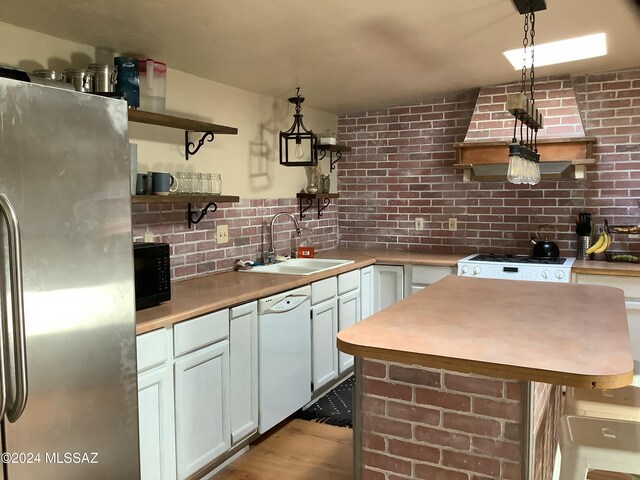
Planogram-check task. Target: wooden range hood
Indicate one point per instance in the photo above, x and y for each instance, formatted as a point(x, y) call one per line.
point(559, 158)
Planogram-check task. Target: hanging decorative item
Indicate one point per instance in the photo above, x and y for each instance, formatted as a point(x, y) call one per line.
point(524, 159)
point(298, 146)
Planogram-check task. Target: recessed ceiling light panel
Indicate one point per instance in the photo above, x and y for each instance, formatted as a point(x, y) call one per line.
point(562, 51)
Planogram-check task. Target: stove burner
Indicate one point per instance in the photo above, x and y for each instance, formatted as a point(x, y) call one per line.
point(518, 259)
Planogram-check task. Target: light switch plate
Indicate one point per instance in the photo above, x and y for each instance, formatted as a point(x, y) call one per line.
point(419, 223)
point(453, 224)
point(222, 233)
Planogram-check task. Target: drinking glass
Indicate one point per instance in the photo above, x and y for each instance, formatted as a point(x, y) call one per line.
point(183, 186)
point(216, 180)
point(196, 186)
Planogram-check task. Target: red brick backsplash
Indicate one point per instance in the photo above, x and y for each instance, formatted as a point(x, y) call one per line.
point(438, 424)
point(401, 167)
point(194, 252)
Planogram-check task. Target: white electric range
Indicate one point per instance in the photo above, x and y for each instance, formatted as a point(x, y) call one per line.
point(517, 267)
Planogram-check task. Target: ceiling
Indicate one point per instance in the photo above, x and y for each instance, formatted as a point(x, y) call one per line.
point(347, 55)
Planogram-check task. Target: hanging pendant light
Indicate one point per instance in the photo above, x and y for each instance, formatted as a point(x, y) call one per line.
point(298, 146)
point(523, 156)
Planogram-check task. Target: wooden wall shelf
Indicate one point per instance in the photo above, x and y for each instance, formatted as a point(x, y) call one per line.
point(208, 129)
point(559, 158)
point(179, 198)
point(180, 123)
point(323, 200)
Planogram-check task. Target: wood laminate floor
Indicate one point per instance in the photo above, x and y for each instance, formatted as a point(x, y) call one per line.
point(300, 450)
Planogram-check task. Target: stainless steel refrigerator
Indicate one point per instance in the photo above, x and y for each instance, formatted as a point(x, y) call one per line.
point(68, 374)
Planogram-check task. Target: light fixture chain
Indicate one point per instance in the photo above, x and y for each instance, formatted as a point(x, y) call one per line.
point(532, 73)
point(525, 42)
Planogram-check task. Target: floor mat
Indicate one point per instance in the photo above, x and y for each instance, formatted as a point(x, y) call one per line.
point(335, 408)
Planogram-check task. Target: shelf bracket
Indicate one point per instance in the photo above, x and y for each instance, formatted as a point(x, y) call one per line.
point(332, 162)
point(321, 154)
point(191, 148)
point(304, 209)
point(194, 216)
point(326, 202)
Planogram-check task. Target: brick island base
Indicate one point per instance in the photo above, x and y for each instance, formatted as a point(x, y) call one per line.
point(417, 422)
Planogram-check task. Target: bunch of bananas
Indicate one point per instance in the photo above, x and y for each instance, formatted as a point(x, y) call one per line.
point(601, 245)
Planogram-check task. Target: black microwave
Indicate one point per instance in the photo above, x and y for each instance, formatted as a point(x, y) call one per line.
point(152, 274)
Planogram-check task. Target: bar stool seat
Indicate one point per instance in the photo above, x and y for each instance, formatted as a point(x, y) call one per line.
point(620, 403)
point(589, 443)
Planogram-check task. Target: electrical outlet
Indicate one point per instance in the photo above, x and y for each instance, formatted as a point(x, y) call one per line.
point(453, 224)
point(222, 233)
point(148, 237)
point(419, 223)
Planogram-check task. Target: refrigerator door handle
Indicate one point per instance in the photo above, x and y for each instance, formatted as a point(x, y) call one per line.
point(17, 306)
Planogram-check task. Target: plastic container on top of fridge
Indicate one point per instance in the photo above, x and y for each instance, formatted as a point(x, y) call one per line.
point(153, 85)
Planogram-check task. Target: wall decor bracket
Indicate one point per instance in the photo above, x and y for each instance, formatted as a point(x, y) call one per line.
point(323, 200)
point(191, 148)
point(194, 216)
point(303, 209)
point(337, 149)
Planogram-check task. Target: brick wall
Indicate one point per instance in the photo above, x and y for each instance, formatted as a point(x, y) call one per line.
point(435, 424)
point(401, 167)
point(195, 252)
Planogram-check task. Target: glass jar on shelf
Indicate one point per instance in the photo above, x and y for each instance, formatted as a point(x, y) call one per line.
point(216, 184)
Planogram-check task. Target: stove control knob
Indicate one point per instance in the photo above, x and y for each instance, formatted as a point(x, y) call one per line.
point(559, 274)
point(545, 274)
point(464, 270)
point(476, 270)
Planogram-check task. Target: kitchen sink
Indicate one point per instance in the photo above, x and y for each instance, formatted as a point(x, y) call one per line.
point(300, 266)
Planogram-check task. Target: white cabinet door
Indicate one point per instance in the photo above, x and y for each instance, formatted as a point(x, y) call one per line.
point(388, 283)
point(421, 276)
point(366, 292)
point(324, 353)
point(348, 314)
point(202, 407)
point(155, 413)
point(243, 370)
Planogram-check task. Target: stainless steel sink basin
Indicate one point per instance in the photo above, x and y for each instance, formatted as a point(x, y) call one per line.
point(300, 266)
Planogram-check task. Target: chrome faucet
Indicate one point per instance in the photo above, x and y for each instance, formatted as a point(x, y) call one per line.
point(271, 255)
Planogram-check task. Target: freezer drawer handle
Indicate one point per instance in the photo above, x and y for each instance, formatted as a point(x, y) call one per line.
point(17, 305)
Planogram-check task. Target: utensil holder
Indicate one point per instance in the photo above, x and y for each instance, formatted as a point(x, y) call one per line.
point(584, 242)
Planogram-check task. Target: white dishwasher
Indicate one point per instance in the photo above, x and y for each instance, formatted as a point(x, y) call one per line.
point(284, 354)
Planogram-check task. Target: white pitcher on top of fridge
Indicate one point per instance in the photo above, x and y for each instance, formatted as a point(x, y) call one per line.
point(153, 85)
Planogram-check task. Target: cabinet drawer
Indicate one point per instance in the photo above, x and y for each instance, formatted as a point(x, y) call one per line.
point(348, 281)
point(426, 275)
point(630, 285)
point(323, 290)
point(152, 349)
point(199, 332)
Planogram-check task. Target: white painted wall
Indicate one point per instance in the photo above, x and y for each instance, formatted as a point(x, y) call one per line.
point(248, 161)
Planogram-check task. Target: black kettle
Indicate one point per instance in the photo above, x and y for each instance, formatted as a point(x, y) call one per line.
point(543, 248)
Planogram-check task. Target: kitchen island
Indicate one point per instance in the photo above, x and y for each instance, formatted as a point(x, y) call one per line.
point(461, 380)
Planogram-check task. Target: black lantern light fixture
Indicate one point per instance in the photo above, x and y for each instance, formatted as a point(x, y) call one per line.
point(298, 146)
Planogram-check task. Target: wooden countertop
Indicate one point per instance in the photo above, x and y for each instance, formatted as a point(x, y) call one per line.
point(594, 267)
point(564, 334)
point(198, 296)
